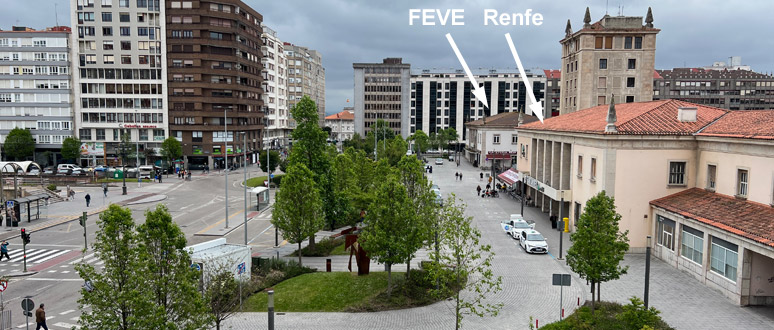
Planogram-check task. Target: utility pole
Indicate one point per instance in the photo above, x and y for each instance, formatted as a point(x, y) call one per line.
point(137, 150)
point(225, 153)
point(244, 154)
point(647, 272)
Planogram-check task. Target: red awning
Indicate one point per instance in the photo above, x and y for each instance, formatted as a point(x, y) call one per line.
point(500, 155)
point(510, 176)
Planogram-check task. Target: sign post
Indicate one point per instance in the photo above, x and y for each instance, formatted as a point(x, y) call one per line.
point(27, 307)
point(3, 286)
point(561, 280)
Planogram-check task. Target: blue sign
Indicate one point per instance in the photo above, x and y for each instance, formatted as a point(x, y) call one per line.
point(241, 268)
point(9, 204)
point(507, 227)
point(196, 266)
point(271, 175)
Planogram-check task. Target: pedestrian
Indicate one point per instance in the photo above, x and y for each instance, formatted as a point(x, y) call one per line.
point(72, 195)
point(4, 251)
point(456, 176)
point(481, 176)
point(488, 186)
point(88, 199)
point(490, 179)
point(40, 317)
point(478, 190)
point(104, 190)
point(160, 176)
point(460, 176)
point(68, 192)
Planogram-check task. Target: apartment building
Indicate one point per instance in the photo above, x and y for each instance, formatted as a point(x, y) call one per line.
point(553, 92)
point(717, 86)
point(614, 56)
point(699, 180)
point(342, 124)
point(443, 99)
point(215, 81)
point(306, 77)
point(119, 74)
point(382, 91)
point(35, 87)
point(277, 133)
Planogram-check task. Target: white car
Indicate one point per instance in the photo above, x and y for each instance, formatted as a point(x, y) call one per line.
point(438, 161)
point(533, 242)
point(508, 224)
point(516, 217)
point(520, 226)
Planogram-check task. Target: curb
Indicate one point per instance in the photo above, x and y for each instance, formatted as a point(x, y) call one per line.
point(13, 275)
point(231, 229)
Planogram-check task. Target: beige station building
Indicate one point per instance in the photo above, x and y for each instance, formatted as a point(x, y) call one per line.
point(698, 179)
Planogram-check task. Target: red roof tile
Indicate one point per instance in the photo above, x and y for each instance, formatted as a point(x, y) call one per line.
point(344, 115)
point(553, 74)
point(751, 220)
point(748, 124)
point(640, 118)
point(656, 75)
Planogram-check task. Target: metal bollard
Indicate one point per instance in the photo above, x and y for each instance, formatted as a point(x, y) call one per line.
point(328, 265)
point(271, 309)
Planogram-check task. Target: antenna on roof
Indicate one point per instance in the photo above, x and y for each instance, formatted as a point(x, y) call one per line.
point(607, 4)
point(56, 15)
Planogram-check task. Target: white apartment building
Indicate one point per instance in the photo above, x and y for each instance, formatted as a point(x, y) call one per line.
point(35, 87)
point(120, 76)
point(342, 124)
point(276, 90)
point(442, 99)
point(306, 77)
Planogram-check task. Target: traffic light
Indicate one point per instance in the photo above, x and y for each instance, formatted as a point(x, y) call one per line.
point(82, 221)
point(25, 236)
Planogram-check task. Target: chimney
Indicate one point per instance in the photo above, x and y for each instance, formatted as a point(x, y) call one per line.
point(686, 114)
point(611, 117)
point(521, 118)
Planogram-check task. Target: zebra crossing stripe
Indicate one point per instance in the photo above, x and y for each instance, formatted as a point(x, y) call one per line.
point(19, 253)
point(36, 257)
point(58, 253)
point(78, 260)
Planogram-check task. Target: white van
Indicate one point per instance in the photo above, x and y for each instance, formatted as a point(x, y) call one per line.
point(66, 168)
point(147, 171)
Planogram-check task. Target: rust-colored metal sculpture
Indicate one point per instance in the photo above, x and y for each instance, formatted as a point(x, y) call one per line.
point(361, 257)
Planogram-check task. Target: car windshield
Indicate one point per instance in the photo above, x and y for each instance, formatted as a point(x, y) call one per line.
point(521, 225)
point(535, 237)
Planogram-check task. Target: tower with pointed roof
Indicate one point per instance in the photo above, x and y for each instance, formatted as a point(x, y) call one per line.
point(615, 55)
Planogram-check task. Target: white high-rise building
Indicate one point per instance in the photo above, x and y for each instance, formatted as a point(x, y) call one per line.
point(276, 90)
point(119, 74)
point(35, 87)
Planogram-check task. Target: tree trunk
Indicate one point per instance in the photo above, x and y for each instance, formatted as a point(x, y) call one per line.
point(592, 297)
point(311, 242)
point(599, 291)
point(457, 310)
point(217, 324)
point(408, 269)
point(389, 280)
point(299, 253)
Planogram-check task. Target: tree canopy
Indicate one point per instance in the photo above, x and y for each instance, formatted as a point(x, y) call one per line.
point(298, 210)
point(19, 144)
point(274, 160)
point(71, 148)
point(171, 149)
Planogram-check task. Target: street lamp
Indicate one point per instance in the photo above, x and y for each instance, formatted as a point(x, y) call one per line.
point(647, 271)
point(137, 150)
point(244, 154)
point(225, 152)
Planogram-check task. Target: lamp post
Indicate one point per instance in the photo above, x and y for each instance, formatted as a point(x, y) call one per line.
point(244, 154)
point(137, 149)
point(225, 153)
point(561, 222)
point(523, 192)
point(647, 271)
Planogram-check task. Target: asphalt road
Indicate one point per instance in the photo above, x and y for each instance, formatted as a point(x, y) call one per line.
point(195, 205)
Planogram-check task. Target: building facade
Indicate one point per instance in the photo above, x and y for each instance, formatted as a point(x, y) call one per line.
point(444, 99)
point(275, 90)
point(215, 80)
point(119, 74)
point(493, 142)
point(728, 89)
point(342, 124)
point(382, 92)
point(306, 77)
point(35, 87)
point(614, 56)
point(553, 92)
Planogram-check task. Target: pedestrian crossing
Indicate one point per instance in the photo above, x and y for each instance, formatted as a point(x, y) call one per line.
point(88, 259)
point(34, 256)
point(60, 321)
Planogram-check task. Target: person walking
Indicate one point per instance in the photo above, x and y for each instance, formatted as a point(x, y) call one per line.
point(481, 176)
point(88, 199)
point(478, 190)
point(40, 317)
point(4, 251)
point(456, 176)
point(68, 192)
point(104, 190)
point(460, 176)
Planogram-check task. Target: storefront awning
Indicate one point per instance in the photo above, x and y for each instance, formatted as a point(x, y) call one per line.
point(510, 176)
point(499, 155)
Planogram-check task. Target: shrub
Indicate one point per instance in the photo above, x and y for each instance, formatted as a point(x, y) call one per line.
point(322, 248)
point(636, 316)
point(51, 187)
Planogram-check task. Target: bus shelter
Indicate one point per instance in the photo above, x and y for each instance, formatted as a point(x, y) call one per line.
point(26, 208)
point(261, 195)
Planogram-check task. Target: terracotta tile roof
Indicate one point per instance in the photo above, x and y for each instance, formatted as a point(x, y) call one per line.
point(656, 75)
point(505, 119)
point(553, 74)
point(640, 118)
point(751, 220)
point(344, 115)
point(746, 124)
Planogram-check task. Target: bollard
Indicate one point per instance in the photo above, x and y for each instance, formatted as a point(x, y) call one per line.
point(562, 312)
point(578, 301)
point(328, 265)
point(271, 309)
point(537, 324)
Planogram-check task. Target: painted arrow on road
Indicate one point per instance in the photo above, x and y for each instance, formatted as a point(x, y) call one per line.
point(534, 106)
point(477, 91)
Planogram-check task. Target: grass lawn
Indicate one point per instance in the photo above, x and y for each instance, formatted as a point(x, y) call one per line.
point(256, 181)
point(339, 251)
point(322, 292)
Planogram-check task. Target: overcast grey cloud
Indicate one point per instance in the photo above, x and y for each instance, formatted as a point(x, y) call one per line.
point(693, 32)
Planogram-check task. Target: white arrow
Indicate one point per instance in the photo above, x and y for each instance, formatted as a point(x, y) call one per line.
point(477, 91)
point(534, 106)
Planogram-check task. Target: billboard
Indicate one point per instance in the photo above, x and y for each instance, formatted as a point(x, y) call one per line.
point(92, 149)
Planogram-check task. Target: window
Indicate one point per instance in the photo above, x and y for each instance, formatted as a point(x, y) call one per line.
point(666, 232)
point(84, 133)
point(142, 31)
point(711, 172)
point(196, 136)
point(629, 98)
point(580, 166)
point(107, 31)
point(692, 244)
point(107, 17)
point(677, 173)
point(123, 3)
point(601, 100)
point(107, 3)
point(125, 31)
point(123, 17)
point(496, 139)
point(514, 138)
point(637, 42)
point(143, 135)
point(108, 59)
point(724, 258)
point(742, 179)
point(609, 42)
point(593, 169)
point(107, 45)
point(632, 64)
point(126, 59)
point(602, 63)
point(627, 42)
point(629, 81)
point(100, 134)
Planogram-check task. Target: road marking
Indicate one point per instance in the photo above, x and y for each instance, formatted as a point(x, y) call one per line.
point(267, 228)
point(53, 279)
point(45, 287)
point(205, 230)
point(67, 312)
point(81, 259)
point(187, 206)
point(67, 325)
point(68, 226)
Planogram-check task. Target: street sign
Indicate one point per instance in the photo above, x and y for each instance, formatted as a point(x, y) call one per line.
point(271, 175)
point(241, 268)
point(561, 279)
point(3, 285)
point(9, 204)
point(27, 305)
point(196, 266)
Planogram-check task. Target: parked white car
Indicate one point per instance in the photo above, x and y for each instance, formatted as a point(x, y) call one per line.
point(533, 242)
point(520, 226)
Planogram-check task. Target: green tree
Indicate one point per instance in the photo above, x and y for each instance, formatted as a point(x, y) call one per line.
point(169, 281)
point(387, 225)
point(421, 141)
point(19, 144)
point(222, 293)
point(449, 135)
point(171, 150)
point(298, 210)
point(434, 141)
point(343, 183)
point(356, 141)
point(363, 169)
point(114, 298)
point(423, 208)
point(598, 246)
point(283, 165)
point(464, 264)
point(274, 160)
point(71, 148)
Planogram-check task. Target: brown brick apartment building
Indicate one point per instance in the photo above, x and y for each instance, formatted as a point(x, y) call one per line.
point(214, 76)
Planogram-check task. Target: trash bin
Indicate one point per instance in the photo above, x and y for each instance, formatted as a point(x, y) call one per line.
point(118, 174)
point(553, 221)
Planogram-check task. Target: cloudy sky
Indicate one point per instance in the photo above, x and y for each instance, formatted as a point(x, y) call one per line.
point(693, 32)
